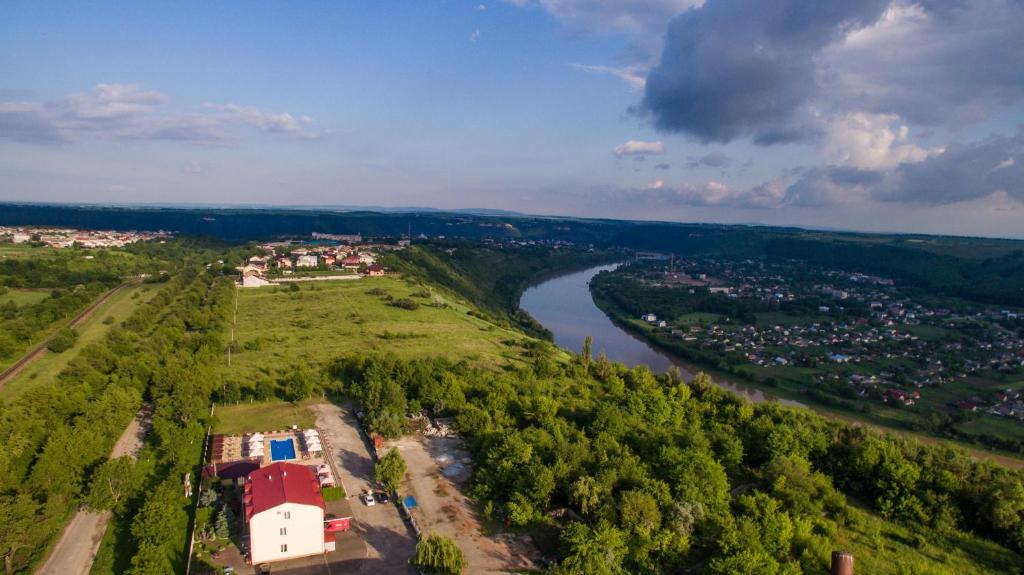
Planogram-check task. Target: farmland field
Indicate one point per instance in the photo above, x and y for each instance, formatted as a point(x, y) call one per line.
point(279, 328)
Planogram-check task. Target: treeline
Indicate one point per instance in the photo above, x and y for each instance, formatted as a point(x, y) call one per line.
point(152, 519)
point(58, 437)
point(997, 280)
point(651, 474)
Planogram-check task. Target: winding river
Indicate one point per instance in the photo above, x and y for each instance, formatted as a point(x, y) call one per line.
point(563, 305)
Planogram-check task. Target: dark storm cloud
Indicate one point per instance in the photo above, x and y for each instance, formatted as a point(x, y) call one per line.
point(935, 63)
point(735, 68)
point(962, 172)
point(662, 166)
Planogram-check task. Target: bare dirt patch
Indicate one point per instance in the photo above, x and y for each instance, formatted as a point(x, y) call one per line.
point(438, 471)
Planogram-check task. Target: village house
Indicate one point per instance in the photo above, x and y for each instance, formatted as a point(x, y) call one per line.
point(374, 270)
point(307, 261)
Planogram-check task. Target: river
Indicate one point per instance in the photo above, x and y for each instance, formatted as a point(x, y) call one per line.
point(563, 305)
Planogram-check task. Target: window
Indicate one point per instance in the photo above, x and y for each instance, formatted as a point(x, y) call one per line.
point(284, 548)
point(284, 531)
point(287, 514)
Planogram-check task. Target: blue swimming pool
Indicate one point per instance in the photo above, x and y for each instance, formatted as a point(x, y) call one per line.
point(282, 449)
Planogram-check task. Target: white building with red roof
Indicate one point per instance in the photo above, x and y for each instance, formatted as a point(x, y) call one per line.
point(285, 513)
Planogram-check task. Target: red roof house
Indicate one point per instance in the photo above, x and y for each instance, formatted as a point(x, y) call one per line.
point(285, 513)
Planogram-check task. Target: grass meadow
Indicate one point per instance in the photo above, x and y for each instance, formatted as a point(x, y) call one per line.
point(278, 328)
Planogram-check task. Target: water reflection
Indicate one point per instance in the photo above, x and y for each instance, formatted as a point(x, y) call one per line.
point(564, 306)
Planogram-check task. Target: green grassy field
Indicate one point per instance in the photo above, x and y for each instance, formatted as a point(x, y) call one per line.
point(696, 317)
point(24, 297)
point(879, 546)
point(260, 416)
point(278, 329)
point(20, 251)
point(44, 370)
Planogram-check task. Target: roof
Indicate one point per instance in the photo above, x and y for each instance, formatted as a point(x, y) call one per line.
point(281, 483)
point(231, 469)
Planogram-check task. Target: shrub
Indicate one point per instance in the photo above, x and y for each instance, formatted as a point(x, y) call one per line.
point(62, 341)
point(405, 303)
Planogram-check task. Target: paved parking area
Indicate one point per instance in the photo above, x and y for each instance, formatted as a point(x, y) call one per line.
point(388, 543)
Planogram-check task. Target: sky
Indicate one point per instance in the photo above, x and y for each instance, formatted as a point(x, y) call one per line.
point(874, 115)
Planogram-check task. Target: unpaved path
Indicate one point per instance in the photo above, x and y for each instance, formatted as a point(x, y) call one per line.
point(75, 551)
point(443, 508)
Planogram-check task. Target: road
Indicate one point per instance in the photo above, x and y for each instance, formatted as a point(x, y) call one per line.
point(388, 541)
point(37, 351)
point(74, 552)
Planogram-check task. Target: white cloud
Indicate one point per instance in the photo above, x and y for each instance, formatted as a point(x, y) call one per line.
point(870, 141)
point(111, 101)
point(127, 111)
point(643, 17)
point(1007, 163)
point(639, 148)
point(474, 36)
point(635, 76)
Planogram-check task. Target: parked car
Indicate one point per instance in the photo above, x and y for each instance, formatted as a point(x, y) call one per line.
point(368, 500)
point(383, 498)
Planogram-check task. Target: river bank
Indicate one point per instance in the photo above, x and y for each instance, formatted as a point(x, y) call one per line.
point(565, 305)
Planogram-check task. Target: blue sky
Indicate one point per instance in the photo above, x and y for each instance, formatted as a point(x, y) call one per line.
point(782, 112)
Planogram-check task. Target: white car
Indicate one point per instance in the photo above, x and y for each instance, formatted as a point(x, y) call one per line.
point(369, 500)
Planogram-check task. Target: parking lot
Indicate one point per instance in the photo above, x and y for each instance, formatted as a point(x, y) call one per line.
point(379, 541)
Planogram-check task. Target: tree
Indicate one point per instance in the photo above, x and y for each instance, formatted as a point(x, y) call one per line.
point(639, 512)
point(586, 493)
point(62, 341)
point(595, 550)
point(390, 470)
point(113, 482)
point(222, 525)
point(439, 555)
point(19, 524)
point(585, 355)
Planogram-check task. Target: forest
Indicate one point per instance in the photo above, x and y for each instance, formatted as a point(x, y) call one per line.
point(638, 473)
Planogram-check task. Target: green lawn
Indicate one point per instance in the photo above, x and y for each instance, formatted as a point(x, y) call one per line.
point(44, 370)
point(696, 317)
point(24, 297)
point(260, 416)
point(279, 329)
point(784, 319)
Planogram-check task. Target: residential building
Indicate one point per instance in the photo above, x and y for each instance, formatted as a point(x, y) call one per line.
point(285, 513)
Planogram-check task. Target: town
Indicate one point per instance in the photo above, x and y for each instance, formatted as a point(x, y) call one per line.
point(849, 334)
point(69, 237)
point(324, 257)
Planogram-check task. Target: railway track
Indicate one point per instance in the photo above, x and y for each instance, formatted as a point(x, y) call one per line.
point(40, 348)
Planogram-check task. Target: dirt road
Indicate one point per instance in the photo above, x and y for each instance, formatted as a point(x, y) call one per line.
point(75, 551)
point(438, 470)
point(37, 351)
point(389, 544)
